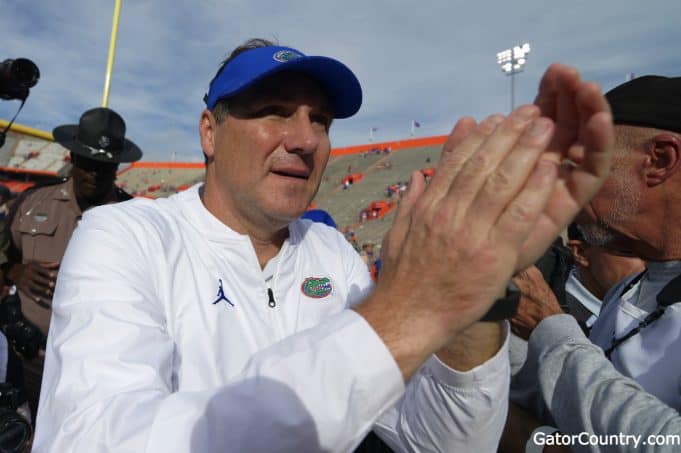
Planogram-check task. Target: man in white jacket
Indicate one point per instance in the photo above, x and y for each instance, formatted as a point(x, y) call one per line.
point(215, 320)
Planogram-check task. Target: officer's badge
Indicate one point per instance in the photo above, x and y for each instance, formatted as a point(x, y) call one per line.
point(104, 142)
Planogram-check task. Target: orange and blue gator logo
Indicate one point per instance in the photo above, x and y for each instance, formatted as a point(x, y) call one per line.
point(316, 287)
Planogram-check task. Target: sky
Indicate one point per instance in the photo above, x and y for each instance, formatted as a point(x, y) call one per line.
point(426, 61)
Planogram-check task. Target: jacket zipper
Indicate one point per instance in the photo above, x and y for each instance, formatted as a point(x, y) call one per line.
point(271, 302)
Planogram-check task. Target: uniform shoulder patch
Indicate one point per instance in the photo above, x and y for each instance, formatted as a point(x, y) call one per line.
point(316, 287)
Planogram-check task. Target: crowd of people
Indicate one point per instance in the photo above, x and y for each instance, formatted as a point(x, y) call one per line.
point(219, 319)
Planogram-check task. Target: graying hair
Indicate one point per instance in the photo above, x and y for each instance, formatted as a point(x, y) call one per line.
point(221, 109)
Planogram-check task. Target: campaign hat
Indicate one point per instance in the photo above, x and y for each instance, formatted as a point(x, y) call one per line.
point(100, 136)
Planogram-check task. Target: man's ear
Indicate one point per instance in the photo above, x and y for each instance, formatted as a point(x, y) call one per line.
point(207, 126)
point(578, 251)
point(664, 158)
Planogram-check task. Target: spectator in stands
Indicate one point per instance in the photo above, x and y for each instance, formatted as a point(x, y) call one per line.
point(633, 387)
point(403, 188)
point(376, 269)
point(189, 323)
point(44, 217)
point(367, 254)
point(351, 237)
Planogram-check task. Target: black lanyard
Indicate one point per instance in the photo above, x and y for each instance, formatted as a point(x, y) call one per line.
point(670, 294)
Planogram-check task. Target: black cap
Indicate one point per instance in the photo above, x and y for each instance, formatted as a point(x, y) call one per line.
point(100, 136)
point(648, 101)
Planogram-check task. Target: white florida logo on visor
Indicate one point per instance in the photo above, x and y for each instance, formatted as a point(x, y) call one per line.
point(282, 56)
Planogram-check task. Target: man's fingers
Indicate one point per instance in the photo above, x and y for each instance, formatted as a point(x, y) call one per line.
point(484, 148)
point(567, 114)
point(583, 181)
point(597, 134)
point(461, 129)
point(45, 273)
point(46, 276)
point(590, 100)
point(599, 138)
point(462, 142)
point(43, 302)
point(518, 219)
point(41, 286)
point(546, 98)
point(39, 296)
point(580, 183)
point(510, 176)
point(588, 147)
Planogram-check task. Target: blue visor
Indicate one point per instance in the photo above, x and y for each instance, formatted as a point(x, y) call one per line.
point(337, 80)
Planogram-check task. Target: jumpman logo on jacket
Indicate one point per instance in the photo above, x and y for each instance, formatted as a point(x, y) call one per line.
point(221, 295)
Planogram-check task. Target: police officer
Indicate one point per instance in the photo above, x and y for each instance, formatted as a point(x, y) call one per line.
point(43, 219)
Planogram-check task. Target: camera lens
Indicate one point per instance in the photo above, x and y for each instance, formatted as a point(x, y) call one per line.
point(24, 72)
point(15, 432)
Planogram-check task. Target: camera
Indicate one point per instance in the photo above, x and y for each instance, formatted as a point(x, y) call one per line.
point(17, 77)
point(25, 337)
point(15, 430)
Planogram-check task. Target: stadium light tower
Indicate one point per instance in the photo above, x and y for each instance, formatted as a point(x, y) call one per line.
point(512, 62)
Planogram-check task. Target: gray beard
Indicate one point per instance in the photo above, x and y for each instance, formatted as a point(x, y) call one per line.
point(598, 234)
point(624, 206)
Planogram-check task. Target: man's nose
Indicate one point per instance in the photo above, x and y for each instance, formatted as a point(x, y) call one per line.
point(302, 135)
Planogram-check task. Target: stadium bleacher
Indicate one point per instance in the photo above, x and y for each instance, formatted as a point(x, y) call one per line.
point(159, 179)
point(33, 154)
point(379, 172)
point(24, 156)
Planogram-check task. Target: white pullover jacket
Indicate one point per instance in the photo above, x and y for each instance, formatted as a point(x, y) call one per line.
point(165, 338)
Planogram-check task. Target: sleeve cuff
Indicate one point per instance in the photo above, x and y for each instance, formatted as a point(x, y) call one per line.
point(467, 379)
point(554, 331)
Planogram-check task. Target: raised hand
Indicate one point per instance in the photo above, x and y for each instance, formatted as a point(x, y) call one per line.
point(456, 243)
point(582, 143)
point(501, 194)
point(37, 280)
point(537, 302)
